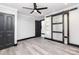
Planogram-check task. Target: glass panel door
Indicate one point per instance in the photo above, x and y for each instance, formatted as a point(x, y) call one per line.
point(57, 27)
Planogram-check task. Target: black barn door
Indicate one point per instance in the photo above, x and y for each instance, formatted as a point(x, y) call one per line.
point(1, 30)
point(9, 29)
point(6, 30)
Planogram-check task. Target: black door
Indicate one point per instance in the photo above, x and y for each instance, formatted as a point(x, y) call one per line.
point(6, 30)
point(1, 29)
point(9, 29)
point(37, 28)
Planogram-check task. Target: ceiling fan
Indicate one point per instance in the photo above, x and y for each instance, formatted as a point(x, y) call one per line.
point(35, 9)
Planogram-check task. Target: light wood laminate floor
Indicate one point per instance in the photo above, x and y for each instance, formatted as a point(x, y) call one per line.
point(40, 46)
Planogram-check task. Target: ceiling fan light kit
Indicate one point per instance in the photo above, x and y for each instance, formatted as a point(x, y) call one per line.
point(35, 10)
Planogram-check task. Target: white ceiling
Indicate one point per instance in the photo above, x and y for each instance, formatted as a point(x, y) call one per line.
point(52, 7)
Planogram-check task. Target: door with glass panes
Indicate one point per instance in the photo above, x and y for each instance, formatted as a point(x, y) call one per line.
point(60, 28)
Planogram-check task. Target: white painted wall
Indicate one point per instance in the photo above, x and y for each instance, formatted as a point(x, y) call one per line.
point(9, 10)
point(26, 26)
point(74, 26)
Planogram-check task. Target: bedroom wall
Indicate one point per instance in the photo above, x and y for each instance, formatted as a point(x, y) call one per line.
point(25, 26)
point(74, 26)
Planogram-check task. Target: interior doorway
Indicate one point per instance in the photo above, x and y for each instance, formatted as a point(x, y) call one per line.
point(37, 28)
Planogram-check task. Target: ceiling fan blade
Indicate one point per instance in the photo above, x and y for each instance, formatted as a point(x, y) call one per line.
point(42, 8)
point(27, 8)
point(35, 6)
point(38, 11)
point(32, 12)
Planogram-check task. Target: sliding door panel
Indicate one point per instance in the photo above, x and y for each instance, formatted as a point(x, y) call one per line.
point(57, 27)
